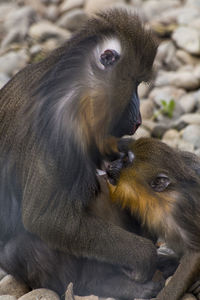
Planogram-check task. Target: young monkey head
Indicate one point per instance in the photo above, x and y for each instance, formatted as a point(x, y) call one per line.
point(161, 187)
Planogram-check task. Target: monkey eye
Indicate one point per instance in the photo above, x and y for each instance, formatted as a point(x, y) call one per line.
point(160, 183)
point(109, 57)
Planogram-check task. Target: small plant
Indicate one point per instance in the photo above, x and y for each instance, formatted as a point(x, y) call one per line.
point(166, 109)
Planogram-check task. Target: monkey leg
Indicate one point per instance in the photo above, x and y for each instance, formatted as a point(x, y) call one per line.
point(29, 259)
point(106, 280)
point(183, 278)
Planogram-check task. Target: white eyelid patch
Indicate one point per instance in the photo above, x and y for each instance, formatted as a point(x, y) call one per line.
point(111, 43)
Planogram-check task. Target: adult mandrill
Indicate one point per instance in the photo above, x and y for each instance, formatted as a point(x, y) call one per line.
point(59, 119)
point(162, 188)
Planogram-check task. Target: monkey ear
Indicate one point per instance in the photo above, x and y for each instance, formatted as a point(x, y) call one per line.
point(160, 183)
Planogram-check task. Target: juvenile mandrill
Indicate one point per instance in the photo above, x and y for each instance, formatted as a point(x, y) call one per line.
point(162, 189)
point(59, 119)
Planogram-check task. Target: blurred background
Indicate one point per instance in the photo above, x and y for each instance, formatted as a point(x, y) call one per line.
point(170, 104)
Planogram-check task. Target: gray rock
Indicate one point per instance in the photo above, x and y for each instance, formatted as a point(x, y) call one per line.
point(188, 39)
point(143, 90)
point(3, 80)
point(5, 9)
point(187, 15)
point(149, 124)
point(171, 134)
point(159, 130)
point(186, 59)
point(166, 55)
point(10, 286)
point(17, 24)
point(52, 12)
point(193, 3)
point(44, 30)
point(69, 295)
point(181, 79)
point(71, 4)
point(153, 8)
point(188, 102)
point(185, 146)
point(193, 119)
point(166, 93)
point(197, 152)
point(7, 297)
point(141, 132)
point(188, 297)
point(191, 134)
point(86, 298)
point(146, 109)
point(47, 2)
point(42, 294)
point(12, 62)
point(92, 6)
point(73, 19)
point(23, 16)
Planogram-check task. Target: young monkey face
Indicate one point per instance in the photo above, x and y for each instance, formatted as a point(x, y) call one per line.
point(161, 187)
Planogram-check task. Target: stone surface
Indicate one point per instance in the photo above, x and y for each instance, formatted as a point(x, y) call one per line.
point(42, 294)
point(8, 297)
point(44, 30)
point(191, 134)
point(141, 132)
point(3, 79)
point(166, 93)
point(181, 79)
point(71, 4)
point(86, 298)
point(188, 297)
point(188, 39)
point(72, 20)
point(10, 286)
point(13, 61)
point(147, 109)
point(92, 6)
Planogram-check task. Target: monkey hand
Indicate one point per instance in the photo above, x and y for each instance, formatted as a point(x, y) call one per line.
point(151, 289)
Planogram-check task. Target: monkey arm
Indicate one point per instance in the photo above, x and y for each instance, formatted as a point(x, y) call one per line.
point(183, 278)
point(66, 224)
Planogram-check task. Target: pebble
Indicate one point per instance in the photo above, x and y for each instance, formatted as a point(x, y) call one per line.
point(191, 134)
point(147, 109)
point(94, 6)
point(3, 80)
point(141, 132)
point(188, 102)
point(44, 30)
point(187, 38)
point(13, 61)
point(71, 4)
point(190, 119)
point(7, 297)
point(42, 294)
point(73, 19)
point(166, 93)
point(180, 79)
point(188, 297)
point(10, 286)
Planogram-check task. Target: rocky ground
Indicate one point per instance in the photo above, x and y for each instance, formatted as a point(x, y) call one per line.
point(170, 104)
